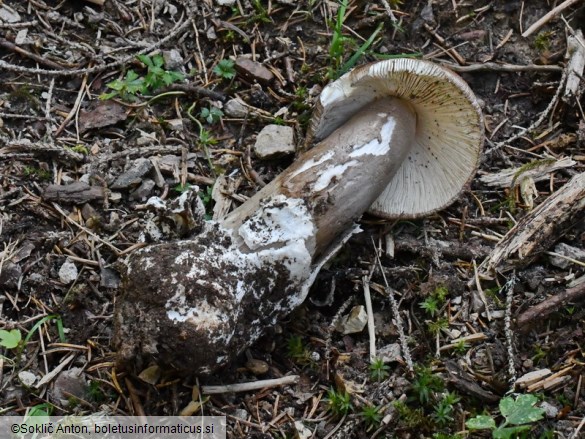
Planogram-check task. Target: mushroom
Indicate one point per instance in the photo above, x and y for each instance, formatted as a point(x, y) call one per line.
point(445, 151)
point(196, 304)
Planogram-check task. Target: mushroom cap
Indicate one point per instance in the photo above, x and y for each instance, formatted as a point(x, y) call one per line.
point(449, 130)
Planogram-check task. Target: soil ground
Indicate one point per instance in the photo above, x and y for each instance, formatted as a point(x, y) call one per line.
point(58, 272)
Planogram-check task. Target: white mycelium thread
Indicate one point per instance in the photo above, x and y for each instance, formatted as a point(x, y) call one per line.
point(377, 146)
point(330, 173)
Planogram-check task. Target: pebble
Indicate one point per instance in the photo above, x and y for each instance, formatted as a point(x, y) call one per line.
point(274, 141)
point(390, 353)
point(235, 108)
point(257, 367)
point(68, 272)
point(225, 2)
point(253, 70)
point(10, 274)
point(142, 193)
point(173, 59)
point(27, 378)
point(69, 383)
point(353, 322)
point(550, 410)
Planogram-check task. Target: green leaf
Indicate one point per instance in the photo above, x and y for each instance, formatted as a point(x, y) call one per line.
point(10, 339)
point(117, 85)
point(522, 410)
point(145, 60)
point(106, 96)
point(225, 69)
point(481, 422)
point(508, 432)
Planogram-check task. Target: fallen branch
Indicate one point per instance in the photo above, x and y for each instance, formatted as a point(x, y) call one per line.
point(544, 309)
point(549, 16)
point(253, 385)
point(539, 229)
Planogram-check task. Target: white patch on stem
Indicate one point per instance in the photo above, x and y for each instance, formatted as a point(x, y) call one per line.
point(312, 163)
point(377, 146)
point(330, 173)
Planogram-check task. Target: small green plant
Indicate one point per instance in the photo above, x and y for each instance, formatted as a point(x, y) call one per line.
point(339, 42)
point(542, 41)
point(426, 384)
point(10, 339)
point(156, 76)
point(372, 416)
point(297, 350)
point(436, 326)
point(31, 171)
point(260, 13)
point(182, 188)
point(225, 69)
point(81, 149)
point(433, 303)
point(411, 418)
point(207, 198)
point(133, 84)
point(126, 88)
point(461, 347)
point(443, 410)
point(339, 402)
point(430, 305)
point(518, 414)
point(95, 393)
point(379, 370)
point(211, 115)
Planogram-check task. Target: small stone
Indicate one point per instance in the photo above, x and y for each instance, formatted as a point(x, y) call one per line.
point(69, 384)
point(253, 70)
point(68, 272)
point(353, 322)
point(109, 278)
point(390, 353)
point(144, 190)
point(27, 378)
point(133, 176)
point(87, 212)
point(550, 410)
point(241, 413)
point(456, 300)
point(10, 274)
point(225, 2)
point(274, 141)
point(301, 431)
point(235, 108)
point(175, 124)
point(567, 251)
point(21, 37)
point(9, 15)
point(173, 59)
point(257, 367)
point(115, 197)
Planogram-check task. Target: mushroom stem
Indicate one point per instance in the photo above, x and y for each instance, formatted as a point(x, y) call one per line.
point(341, 176)
point(196, 304)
